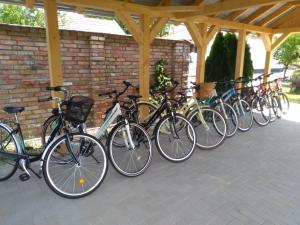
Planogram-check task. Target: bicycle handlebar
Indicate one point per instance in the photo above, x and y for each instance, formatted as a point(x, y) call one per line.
point(45, 99)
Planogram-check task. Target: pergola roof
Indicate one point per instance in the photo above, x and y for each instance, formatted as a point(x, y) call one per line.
point(275, 14)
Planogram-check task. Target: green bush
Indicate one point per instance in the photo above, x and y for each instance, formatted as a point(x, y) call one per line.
point(295, 82)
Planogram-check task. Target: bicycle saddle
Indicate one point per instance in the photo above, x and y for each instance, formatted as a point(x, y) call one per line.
point(13, 109)
point(134, 96)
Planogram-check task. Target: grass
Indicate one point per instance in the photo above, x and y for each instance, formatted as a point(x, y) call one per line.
point(295, 98)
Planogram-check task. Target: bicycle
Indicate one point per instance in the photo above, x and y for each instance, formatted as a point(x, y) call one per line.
point(242, 108)
point(174, 135)
point(73, 164)
point(129, 145)
point(210, 125)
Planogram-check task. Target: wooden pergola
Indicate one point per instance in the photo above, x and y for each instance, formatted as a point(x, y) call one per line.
point(203, 19)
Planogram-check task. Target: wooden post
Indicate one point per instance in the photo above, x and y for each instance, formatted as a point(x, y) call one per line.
point(201, 52)
point(239, 66)
point(53, 43)
point(267, 40)
point(144, 53)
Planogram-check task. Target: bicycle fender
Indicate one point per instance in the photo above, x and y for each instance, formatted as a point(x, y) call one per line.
point(16, 139)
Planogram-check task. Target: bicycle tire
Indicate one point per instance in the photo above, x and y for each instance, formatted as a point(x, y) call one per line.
point(89, 146)
point(230, 117)
point(138, 159)
point(168, 152)
point(284, 103)
point(6, 160)
point(45, 128)
point(245, 115)
point(209, 135)
point(261, 111)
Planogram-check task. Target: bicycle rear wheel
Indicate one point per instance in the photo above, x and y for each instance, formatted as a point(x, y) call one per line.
point(261, 111)
point(71, 179)
point(210, 127)
point(284, 103)
point(130, 159)
point(244, 113)
point(8, 154)
point(230, 117)
point(175, 138)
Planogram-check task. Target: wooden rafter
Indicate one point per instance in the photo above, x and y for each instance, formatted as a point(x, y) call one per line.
point(198, 2)
point(276, 14)
point(229, 5)
point(29, 3)
point(232, 24)
point(286, 18)
point(258, 13)
point(235, 14)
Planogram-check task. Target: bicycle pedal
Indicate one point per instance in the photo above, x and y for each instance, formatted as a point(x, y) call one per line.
point(24, 177)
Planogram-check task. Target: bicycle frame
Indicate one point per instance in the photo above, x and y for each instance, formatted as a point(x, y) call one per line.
point(112, 116)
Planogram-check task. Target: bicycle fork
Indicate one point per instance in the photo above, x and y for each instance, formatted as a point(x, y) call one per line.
point(127, 136)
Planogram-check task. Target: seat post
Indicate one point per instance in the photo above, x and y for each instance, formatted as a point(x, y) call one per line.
point(17, 119)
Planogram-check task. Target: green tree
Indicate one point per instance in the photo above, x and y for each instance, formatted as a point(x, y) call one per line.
point(13, 14)
point(220, 64)
point(216, 66)
point(289, 51)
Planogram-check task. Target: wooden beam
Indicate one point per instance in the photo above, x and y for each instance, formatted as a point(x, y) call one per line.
point(79, 9)
point(211, 33)
point(258, 13)
point(287, 30)
point(198, 2)
point(201, 52)
point(157, 27)
point(144, 55)
point(233, 25)
point(276, 14)
point(29, 3)
point(268, 63)
point(267, 40)
point(53, 43)
point(131, 25)
point(239, 66)
point(111, 5)
point(218, 7)
point(194, 32)
point(280, 40)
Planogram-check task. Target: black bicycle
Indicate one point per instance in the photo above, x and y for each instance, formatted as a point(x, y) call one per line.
point(174, 135)
point(73, 164)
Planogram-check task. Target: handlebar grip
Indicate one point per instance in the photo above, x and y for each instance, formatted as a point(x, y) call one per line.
point(56, 88)
point(45, 99)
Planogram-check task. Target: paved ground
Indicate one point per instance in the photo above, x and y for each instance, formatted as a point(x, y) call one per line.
point(252, 179)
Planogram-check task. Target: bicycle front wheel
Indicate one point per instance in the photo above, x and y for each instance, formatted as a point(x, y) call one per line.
point(8, 154)
point(210, 127)
point(75, 165)
point(175, 138)
point(133, 156)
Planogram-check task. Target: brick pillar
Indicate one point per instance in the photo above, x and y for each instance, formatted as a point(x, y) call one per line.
point(180, 62)
point(97, 68)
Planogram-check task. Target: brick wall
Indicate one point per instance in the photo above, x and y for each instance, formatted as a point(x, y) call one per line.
point(92, 62)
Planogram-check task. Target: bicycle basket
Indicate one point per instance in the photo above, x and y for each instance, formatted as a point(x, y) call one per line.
point(78, 109)
point(206, 90)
